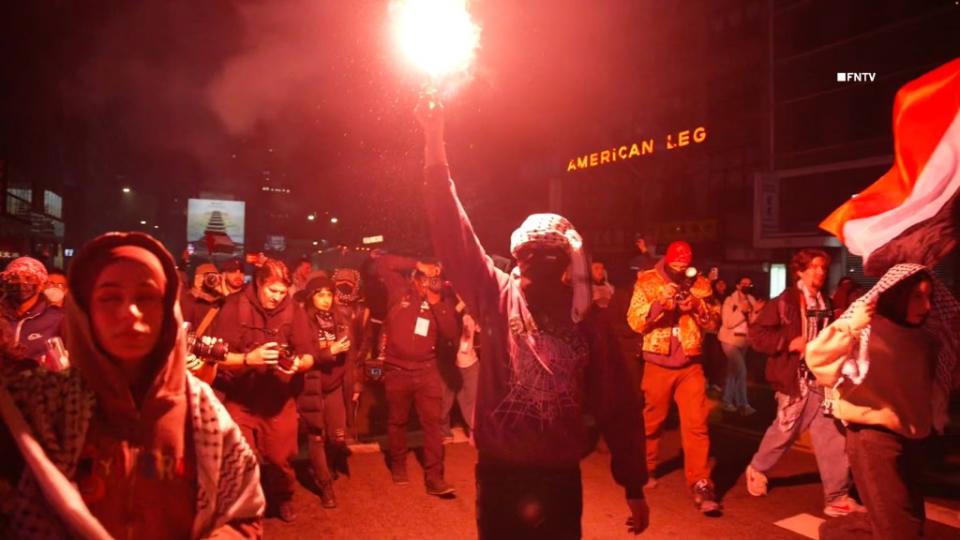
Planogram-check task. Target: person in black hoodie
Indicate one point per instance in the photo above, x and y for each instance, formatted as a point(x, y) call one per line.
point(270, 342)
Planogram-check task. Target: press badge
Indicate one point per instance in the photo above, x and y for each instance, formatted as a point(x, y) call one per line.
point(423, 327)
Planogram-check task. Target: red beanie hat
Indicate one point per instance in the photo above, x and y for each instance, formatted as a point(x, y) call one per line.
point(679, 252)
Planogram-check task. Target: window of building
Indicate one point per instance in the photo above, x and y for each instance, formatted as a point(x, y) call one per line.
point(52, 204)
point(18, 201)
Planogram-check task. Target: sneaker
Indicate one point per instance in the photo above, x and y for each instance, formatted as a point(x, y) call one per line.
point(704, 497)
point(439, 488)
point(842, 506)
point(651, 483)
point(286, 512)
point(756, 482)
point(728, 407)
point(747, 410)
point(400, 477)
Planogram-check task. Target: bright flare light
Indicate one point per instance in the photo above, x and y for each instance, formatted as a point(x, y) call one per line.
point(437, 36)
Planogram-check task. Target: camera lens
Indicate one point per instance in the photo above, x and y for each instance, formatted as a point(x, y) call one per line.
point(211, 280)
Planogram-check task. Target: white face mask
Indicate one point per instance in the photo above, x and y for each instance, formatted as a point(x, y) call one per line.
point(54, 295)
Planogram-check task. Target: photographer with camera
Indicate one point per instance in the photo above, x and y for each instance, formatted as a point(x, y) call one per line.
point(418, 317)
point(270, 341)
point(670, 308)
point(205, 295)
point(200, 306)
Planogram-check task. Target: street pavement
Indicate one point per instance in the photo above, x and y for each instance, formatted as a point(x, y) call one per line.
point(371, 507)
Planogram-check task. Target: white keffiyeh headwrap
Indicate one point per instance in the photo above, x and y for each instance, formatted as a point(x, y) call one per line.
point(552, 230)
point(943, 323)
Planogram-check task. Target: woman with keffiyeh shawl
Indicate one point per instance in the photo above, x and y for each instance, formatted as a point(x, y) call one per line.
point(890, 361)
point(151, 450)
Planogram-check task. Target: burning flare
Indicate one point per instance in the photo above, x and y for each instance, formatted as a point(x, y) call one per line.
point(436, 36)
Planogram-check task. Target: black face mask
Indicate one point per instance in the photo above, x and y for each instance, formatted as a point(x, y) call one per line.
point(434, 284)
point(543, 266)
point(675, 276)
point(18, 293)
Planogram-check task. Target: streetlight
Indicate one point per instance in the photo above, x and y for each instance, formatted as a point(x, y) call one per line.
point(126, 190)
point(143, 222)
point(334, 220)
point(156, 226)
point(311, 217)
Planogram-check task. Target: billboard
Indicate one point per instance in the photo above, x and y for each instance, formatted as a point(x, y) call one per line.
point(217, 223)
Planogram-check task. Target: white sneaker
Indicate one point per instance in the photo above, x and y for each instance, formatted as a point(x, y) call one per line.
point(842, 506)
point(756, 482)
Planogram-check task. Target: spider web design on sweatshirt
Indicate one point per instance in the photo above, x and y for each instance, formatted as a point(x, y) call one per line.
point(535, 396)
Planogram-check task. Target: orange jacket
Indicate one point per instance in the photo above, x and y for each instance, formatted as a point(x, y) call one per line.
point(657, 332)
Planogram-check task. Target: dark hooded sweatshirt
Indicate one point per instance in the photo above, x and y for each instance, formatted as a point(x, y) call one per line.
point(137, 471)
point(245, 325)
point(524, 415)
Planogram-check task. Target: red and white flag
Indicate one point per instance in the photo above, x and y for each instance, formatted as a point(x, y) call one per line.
point(911, 213)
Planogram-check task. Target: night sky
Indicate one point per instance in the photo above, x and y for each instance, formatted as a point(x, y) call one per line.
point(210, 95)
point(175, 98)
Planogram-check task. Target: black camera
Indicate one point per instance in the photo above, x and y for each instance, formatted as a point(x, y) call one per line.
point(212, 281)
point(285, 357)
point(214, 350)
point(684, 285)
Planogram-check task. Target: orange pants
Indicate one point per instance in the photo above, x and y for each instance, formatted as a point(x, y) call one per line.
point(686, 386)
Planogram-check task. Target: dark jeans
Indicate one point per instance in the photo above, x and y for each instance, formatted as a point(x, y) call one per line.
point(335, 414)
point(714, 360)
point(424, 389)
point(885, 467)
point(527, 502)
point(274, 439)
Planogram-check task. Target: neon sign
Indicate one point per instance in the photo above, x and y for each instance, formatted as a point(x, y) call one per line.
point(637, 149)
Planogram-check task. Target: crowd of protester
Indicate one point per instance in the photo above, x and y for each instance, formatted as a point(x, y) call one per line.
point(208, 383)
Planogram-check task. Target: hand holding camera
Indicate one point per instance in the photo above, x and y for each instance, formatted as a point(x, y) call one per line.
point(287, 362)
point(194, 362)
point(264, 355)
point(668, 296)
point(688, 303)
